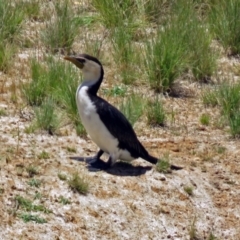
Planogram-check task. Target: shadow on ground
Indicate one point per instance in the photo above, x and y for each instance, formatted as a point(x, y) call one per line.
point(119, 168)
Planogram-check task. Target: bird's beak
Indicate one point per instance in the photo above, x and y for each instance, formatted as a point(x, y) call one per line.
point(74, 60)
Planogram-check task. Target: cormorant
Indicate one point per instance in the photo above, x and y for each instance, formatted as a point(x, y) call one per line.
point(104, 123)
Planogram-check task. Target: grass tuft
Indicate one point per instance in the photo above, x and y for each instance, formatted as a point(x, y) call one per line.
point(225, 24)
point(163, 165)
point(78, 184)
point(188, 190)
point(62, 29)
point(205, 119)
point(27, 217)
point(133, 108)
point(32, 170)
point(155, 113)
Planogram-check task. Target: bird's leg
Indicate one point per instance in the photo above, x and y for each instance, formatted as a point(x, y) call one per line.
point(89, 159)
point(101, 165)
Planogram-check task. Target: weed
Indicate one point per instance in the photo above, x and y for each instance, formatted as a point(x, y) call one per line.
point(7, 50)
point(205, 119)
point(64, 200)
point(31, 9)
point(62, 176)
point(188, 190)
point(71, 149)
point(220, 149)
point(3, 112)
point(43, 155)
point(27, 205)
point(132, 108)
point(27, 217)
point(78, 184)
point(61, 31)
point(124, 54)
point(34, 182)
point(209, 98)
point(116, 91)
point(163, 164)
point(193, 230)
point(113, 13)
point(11, 18)
point(225, 23)
point(155, 113)
point(31, 170)
point(211, 237)
point(37, 195)
point(229, 101)
point(1, 191)
point(46, 116)
point(36, 91)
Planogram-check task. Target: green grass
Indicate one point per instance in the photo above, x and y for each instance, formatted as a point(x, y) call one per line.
point(200, 57)
point(61, 30)
point(64, 200)
point(32, 170)
point(3, 112)
point(62, 176)
point(27, 217)
point(78, 184)
point(113, 14)
point(225, 24)
point(209, 98)
point(11, 18)
point(34, 182)
point(7, 51)
point(116, 91)
point(55, 78)
point(36, 91)
point(43, 155)
point(205, 119)
point(188, 190)
point(47, 117)
point(156, 115)
point(229, 101)
point(28, 205)
point(132, 108)
point(164, 58)
point(163, 165)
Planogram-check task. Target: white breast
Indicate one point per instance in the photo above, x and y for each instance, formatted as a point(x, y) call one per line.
point(95, 127)
point(92, 123)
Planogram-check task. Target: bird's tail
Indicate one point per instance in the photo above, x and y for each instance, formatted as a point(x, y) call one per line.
point(154, 160)
point(151, 159)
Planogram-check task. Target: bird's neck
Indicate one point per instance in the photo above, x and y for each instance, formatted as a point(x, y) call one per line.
point(93, 84)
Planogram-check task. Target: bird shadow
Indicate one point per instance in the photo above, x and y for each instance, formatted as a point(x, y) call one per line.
point(126, 169)
point(119, 168)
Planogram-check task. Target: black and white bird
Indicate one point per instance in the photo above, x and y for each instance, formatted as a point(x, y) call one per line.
point(106, 125)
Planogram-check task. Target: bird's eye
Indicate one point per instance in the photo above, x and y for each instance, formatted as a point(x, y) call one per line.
point(81, 60)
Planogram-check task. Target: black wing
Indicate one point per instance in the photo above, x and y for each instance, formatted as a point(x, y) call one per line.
point(119, 127)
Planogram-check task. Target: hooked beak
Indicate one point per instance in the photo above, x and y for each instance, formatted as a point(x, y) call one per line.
point(74, 60)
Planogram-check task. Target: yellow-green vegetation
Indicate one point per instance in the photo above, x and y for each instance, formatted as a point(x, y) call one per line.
point(188, 190)
point(32, 170)
point(163, 165)
point(78, 184)
point(62, 176)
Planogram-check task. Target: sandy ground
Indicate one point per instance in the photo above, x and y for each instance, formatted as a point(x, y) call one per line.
point(128, 201)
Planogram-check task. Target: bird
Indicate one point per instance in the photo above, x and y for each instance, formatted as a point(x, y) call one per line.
point(107, 127)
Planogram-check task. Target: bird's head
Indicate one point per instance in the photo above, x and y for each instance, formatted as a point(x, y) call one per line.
point(91, 67)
